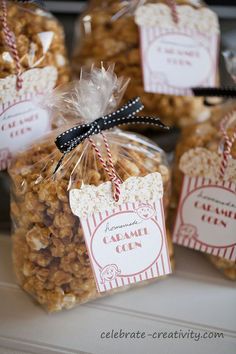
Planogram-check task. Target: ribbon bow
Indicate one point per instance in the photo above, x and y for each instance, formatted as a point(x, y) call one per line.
point(74, 136)
point(71, 138)
point(68, 140)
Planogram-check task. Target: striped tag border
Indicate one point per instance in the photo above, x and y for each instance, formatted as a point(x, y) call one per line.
point(159, 268)
point(190, 184)
point(151, 84)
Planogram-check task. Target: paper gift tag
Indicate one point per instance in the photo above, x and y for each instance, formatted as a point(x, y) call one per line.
point(206, 216)
point(126, 240)
point(176, 57)
point(22, 120)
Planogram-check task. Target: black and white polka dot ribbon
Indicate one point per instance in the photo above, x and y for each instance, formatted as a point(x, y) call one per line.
point(72, 137)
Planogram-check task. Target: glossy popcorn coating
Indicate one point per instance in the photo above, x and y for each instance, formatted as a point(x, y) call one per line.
point(39, 41)
point(109, 34)
point(49, 253)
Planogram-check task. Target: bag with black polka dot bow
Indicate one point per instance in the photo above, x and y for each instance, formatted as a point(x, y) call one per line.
point(89, 201)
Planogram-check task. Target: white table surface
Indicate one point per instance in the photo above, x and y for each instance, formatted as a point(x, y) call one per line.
point(195, 298)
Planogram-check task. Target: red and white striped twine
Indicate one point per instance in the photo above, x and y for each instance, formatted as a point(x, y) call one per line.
point(228, 143)
point(10, 41)
point(116, 182)
point(173, 6)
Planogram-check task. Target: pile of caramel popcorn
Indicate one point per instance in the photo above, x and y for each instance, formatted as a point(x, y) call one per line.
point(49, 253)
point(108, 33)
point(39, 41)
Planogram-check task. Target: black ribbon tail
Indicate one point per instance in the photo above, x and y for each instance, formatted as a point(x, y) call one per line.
point(146, 120)
point(58, 164)
point(227, 92)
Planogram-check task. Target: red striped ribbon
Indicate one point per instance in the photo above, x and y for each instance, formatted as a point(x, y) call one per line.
point(228, 142)
point(10, 41)
point(173, 6)
point(109, 168)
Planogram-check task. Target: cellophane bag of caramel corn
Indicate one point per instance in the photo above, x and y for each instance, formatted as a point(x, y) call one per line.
point(207, 152)
point(39, 41)
point(201, 154)
point(52, 253)
point(108, 31)
point(33, 60)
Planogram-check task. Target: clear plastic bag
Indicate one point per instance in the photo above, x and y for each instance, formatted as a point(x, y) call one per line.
point(209, 136)
point(33, 60)
point(107, 32)
point(49, 253)
point(39, 41)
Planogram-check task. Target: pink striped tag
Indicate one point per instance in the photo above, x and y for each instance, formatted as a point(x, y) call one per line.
point(206, 217)
point(175, 60)
point(127, 245)
point(22, 121)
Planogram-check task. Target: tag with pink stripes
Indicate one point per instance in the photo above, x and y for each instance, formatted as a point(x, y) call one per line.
point(126, 240)
point(173, 61)
point(23, 119)
point(127, 245)
point(179, 47)
point(206, 217)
